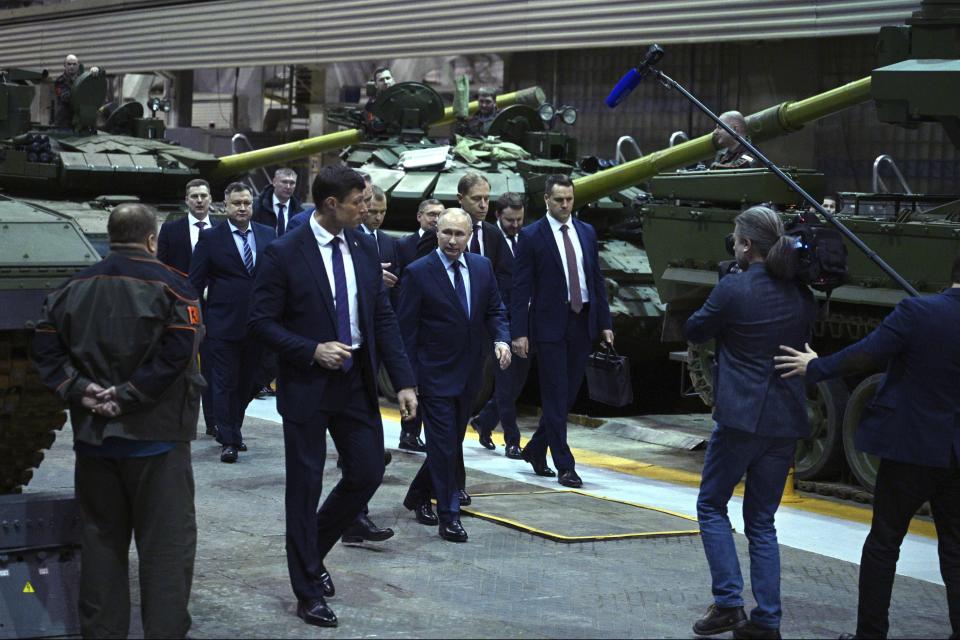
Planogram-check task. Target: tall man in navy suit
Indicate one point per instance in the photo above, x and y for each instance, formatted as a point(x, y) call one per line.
point(409, 248)
point(913, 425)
point(277, 204)
point(224, 264)
point(386, 244)
point(450, 314)
point(502, 407)
point(175, 246)
point(559, 303)
point(320, 303)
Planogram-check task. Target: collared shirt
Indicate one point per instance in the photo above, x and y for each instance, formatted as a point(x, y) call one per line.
point(324, 241)
point(420, 232)
point(506, 237)
point(364, 229)
point(577, 249)
point(237, 240)
point(464, 273)
point(195, 231)
point(286, 210)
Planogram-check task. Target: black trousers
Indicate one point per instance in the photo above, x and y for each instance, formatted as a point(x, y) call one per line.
point(901, 489)
point(150, 498)
point(442, 473)
point(354, 424)
point(235, 365)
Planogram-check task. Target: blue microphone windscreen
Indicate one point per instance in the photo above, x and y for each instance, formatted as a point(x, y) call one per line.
point(627, 84)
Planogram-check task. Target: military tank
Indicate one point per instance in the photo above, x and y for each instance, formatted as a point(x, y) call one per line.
point(690, 213)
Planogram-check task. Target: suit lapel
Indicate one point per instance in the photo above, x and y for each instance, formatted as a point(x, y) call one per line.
point(358, 270)
point(443, 283)
point(311, 255)
point(547, 232)
point(474, 286)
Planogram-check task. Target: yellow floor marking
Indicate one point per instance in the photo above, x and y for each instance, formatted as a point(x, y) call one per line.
point(811, 504)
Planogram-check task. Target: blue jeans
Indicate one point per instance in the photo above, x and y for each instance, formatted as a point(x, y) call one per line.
point(765, 461)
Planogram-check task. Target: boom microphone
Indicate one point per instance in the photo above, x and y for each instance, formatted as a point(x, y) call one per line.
point(633, 77)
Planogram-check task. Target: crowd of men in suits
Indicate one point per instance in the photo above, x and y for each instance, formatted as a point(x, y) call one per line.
point(332, 298)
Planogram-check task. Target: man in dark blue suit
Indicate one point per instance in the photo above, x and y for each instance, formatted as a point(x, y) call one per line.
point(175, 246)
point(224, 265)
point(386, 244)
point(913, 425)
point(559, 303)
point(450, 313)
point(277, 204)
point(502, 407)
point(320, 303)
point(409, 248)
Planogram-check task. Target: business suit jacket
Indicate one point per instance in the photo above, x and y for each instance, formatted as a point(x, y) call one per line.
point(173, 243)
point(445, 347)
point(538, 299)
point(293, 311)
point(495, 249)
point(218, 267)
point(915, 415)
point(751, 314)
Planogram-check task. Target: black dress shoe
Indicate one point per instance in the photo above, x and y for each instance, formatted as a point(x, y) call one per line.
point(465, 498)
point(485, 439)
point(754, 630)
point(316, 612)
point(453, 532)
point(387, 457)
point(411, 442)
point(228, 453)
point(423, 512)
point(242, 447)
point(569, 478)
point(539, 464)
point(719, 620)
point(363, 528)
point(326, 582)
point(513, 452)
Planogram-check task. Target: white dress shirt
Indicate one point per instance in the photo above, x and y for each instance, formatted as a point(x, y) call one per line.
point(324, 241)
point(195, 230)
point(464, 272)
point(577, 249)
point(237, 240)
point(286, 211)
point(507, 238)
point(365, 230)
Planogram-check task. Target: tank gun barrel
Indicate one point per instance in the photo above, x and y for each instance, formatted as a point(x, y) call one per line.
point(240, 163)
point(769, 123)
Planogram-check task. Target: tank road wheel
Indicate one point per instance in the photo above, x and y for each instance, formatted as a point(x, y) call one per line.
point(821, 455)
point(29, 413)
point(385, 386)
point(863, 465)
point(701, 366)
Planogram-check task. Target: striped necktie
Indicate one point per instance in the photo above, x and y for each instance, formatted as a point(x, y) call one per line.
point(247, 251)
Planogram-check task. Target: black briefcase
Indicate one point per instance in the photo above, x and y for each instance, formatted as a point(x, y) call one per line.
point(608, 377)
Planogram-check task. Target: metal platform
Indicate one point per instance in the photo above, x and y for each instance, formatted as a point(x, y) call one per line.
point(575, 516)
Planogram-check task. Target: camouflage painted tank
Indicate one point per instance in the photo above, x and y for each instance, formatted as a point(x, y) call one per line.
point(690, 213)
point(517, 155)
point(39, 248)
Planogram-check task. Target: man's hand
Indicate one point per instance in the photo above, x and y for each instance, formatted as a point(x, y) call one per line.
point(91, 396)
point(521, 346)
point(408, 403)
point(607, 336)
point(100, 401)
point(331, 355)
point(389, 280)
point(502, 352)
point(794, 364)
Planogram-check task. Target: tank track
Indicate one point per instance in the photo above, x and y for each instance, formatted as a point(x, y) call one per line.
point(30, 414)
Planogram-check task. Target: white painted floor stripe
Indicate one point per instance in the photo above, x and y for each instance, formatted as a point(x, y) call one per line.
point(824, 535)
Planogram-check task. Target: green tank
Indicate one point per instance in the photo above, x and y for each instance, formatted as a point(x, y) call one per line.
point(518, 153)
point(690, 213)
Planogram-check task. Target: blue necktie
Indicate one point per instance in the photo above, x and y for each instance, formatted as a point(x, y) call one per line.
point(475, 240)
point(343, 306)
point(460, 288)
point(281, 226)
point(247, 251)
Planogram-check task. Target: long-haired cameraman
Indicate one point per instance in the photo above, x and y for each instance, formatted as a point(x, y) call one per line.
point(759, 417)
